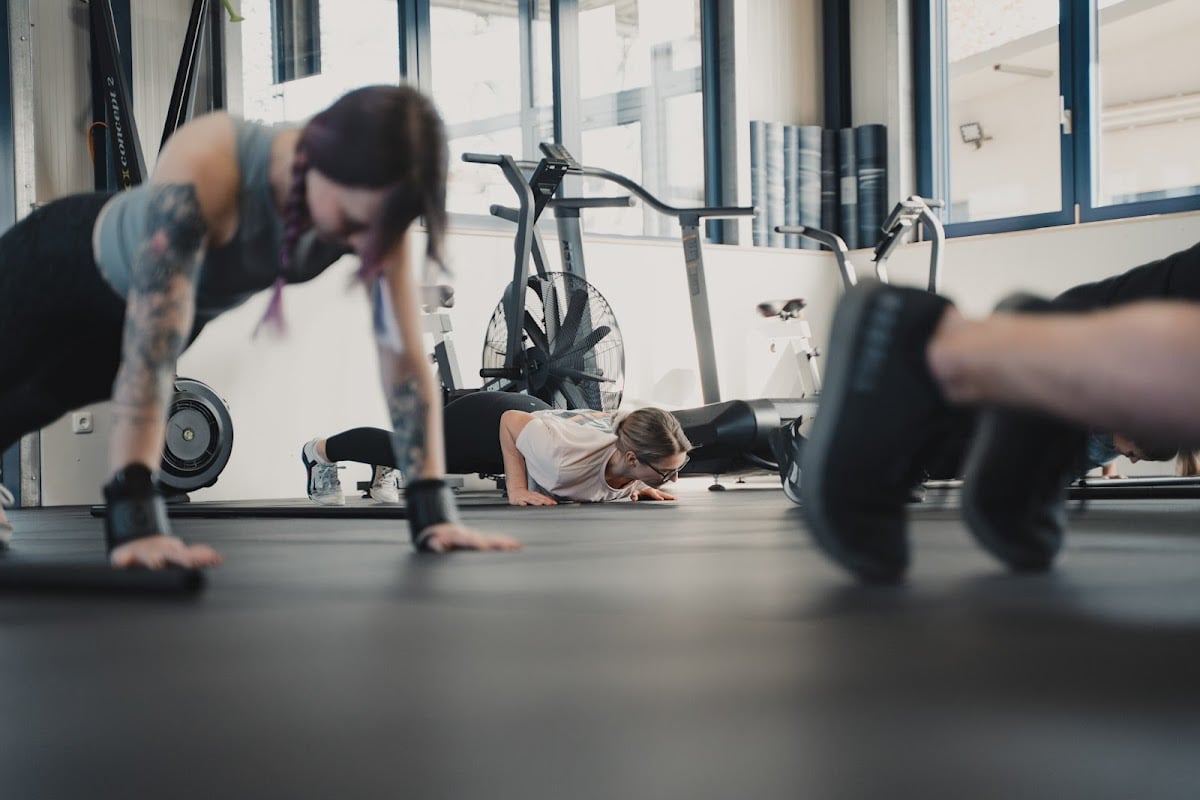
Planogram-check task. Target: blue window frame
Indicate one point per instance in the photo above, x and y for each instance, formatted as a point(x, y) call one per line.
point(554, 101)
point(1069, 112)
point(296, 44)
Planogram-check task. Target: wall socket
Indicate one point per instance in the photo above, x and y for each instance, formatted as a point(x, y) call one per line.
point(82, 422)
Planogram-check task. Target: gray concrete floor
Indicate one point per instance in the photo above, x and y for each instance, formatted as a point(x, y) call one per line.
point(700, 649)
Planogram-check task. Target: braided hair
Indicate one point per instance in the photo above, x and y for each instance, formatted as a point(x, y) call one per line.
point(377, 137)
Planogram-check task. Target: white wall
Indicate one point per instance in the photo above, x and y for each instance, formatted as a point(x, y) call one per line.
point(784, 47)
point(321, 378)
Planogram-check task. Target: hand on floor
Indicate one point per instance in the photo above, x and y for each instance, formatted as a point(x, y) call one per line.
point(446, 537)
point(158, 552)
point(528, 497)
point(651, 494)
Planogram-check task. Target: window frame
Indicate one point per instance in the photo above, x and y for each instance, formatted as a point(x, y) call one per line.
point(1077, 74)
point(572, 114)
point(289, 63)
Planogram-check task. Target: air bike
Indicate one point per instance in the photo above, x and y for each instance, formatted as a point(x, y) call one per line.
point(554, 336)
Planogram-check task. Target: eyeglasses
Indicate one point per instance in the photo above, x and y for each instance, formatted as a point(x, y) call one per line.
point(668, 475)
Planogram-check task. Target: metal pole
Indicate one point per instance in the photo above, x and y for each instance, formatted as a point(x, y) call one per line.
point(185, 75)
point(25, 197)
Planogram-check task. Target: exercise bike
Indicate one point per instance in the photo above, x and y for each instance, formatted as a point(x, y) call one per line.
point(907, 217)
point(729, 436)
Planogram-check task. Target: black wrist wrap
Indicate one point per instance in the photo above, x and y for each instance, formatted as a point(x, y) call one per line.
point(135, 507)
point(429, 502)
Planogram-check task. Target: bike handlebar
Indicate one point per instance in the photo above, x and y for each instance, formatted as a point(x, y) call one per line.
point(711, 212)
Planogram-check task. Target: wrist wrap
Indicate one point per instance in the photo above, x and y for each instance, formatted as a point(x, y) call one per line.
point(135, 507)
point(430, 502)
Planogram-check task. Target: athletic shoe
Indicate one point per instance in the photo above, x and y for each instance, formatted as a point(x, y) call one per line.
point(6, 528)
point(787, 444)
point(324, 487)
point(1017, 471)
point(385, 485)
point(879, 408)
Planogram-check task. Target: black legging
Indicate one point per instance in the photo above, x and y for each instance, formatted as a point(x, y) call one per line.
point(1176, 277)
point(60, 323)
point(471, 426)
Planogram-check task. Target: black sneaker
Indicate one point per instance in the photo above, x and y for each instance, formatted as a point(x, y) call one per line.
point(878, 405)
point(787, 443)
point(1017, 471)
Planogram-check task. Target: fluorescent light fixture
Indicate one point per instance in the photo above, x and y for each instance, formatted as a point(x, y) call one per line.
point(1017, 69)
point(1157, 111)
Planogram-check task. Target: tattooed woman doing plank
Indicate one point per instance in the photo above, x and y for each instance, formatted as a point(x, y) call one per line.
point(232, 208)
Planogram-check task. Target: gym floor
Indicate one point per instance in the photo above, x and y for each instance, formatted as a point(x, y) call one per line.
point(700, 649)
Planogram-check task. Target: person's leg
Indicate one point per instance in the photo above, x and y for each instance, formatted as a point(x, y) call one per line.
point(1176, 277)
point(1134, 368)
point(894, 368)
point(363, 445)
point(370, 446)
point(322, 483)
point(471, 426)
point(77, 377)
point(472, 430)
point(60, 323)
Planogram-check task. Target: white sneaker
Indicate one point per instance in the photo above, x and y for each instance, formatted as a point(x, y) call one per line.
point(385, 485)
point(324, 486)
point(6, 528)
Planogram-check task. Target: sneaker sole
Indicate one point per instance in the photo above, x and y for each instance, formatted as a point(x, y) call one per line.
point(380, 497)
point(820, 443)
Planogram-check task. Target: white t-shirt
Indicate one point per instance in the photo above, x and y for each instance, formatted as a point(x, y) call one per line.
point(566, 453)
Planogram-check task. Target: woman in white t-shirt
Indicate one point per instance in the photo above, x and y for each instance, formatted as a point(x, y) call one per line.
point(590, 456)
point(544, 453)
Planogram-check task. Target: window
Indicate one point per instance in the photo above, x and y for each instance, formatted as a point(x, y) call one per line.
point(296, 45)
point(619, 82)
point(358, 44)
point(640, 105)
point(1040, 112)
point(632, 85)
point(491, 79)
point(1147, 122)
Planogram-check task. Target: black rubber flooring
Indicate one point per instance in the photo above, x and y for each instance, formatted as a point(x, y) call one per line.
point(298, 508)
point(694, 650)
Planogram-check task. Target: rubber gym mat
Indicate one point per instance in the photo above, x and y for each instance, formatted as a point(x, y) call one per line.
point(1155, 487)
point(97, 578)
point(1117, 490)
point(355, 508)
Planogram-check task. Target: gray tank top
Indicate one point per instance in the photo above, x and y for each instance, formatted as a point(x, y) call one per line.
point(230, 274)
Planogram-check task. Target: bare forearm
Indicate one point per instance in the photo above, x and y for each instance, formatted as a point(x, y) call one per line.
point(1134, 369)
point(516, 476)
point(158, 317)
point(416, 421)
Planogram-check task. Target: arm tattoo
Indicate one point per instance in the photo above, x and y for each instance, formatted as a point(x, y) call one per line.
point(410, 412)
point(161, 303)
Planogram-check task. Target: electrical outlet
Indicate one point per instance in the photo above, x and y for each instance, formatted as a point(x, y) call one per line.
point(81, 422)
